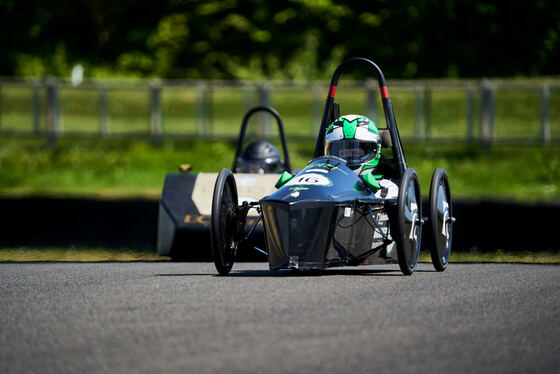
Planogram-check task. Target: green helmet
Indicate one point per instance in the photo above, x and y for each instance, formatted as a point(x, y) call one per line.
point(355, 139)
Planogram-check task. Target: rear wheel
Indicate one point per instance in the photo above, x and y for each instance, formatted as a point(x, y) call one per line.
point(224, 222)
point(441, 220)
point(409, 222)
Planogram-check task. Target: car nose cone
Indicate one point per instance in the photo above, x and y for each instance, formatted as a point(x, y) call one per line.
point(299, 235)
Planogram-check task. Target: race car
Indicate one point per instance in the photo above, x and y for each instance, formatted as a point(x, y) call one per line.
point(183, 231)
point(334, 213)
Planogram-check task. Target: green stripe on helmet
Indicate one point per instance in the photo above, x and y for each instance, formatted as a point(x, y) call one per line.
point(349, 128)
point(373, 128)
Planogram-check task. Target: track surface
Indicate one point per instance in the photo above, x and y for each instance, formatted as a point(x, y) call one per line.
point(182, 318)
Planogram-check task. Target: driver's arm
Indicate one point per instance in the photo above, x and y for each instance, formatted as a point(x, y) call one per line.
point(371, 180)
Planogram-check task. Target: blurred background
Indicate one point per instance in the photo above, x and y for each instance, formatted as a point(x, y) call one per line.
point(131, 89)
point(298, 39)
point(107, 78)
point(100, 99)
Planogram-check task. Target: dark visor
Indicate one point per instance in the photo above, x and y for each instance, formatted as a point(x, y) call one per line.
point(262, 166)
point(355, 152)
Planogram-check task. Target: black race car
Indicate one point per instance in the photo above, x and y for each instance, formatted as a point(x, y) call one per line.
point(186, 199)
point(326, 216)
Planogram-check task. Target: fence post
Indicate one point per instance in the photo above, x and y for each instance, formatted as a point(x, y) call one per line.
point(103, 112)
point(210, 109)
point(427, 112)
point(545, 127)
point(264, 119)
point(53, 110)
point(371, 97)
point(487, 113)
point(36, 108)
point(418, 111)
point(201, 109)
point(155, 94)
point(248, 97)
point(470, 113)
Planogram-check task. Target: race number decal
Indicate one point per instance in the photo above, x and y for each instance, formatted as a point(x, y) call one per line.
point(310, 179)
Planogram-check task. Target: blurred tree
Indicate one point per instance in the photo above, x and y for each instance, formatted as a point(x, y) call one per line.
point(295, 39)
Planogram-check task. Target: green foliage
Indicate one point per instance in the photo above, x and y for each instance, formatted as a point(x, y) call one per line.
point(298, 39)
point(33, 66)
point(170, 36)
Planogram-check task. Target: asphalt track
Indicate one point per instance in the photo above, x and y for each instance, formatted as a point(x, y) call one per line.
point(182, 318)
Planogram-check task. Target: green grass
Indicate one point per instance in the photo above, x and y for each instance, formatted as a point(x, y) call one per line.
point(99, 167)
point(24, 254)
point(135, 167)
point(526, 257)
point(523, 173)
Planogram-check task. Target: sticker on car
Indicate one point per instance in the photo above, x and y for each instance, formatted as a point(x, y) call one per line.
point(310, 179)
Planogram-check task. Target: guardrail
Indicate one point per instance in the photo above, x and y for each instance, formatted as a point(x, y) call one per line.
point(431, 110)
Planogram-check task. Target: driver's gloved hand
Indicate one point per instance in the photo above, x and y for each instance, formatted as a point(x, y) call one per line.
point(371, 181)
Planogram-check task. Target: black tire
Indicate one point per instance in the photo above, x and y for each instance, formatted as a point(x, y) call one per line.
point(409, 222)
point(441, 220)
point(224, 222)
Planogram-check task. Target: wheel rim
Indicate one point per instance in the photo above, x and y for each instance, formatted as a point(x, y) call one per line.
point(444, 223)
point(411, 224)
point(228, 221)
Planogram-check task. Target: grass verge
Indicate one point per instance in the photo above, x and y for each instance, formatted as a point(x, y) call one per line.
point(76, 255)
point(121, 168)
point(25, 254)
point(525, 257)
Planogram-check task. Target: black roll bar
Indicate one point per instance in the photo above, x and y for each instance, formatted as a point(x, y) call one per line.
point(328, 113)
point(276, 115)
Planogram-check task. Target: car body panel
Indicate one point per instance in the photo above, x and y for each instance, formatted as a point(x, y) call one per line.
point(321, 218)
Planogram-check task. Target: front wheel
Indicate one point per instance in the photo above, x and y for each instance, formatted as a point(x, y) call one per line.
point(409, 222)
point(224, 222)
point(441, 220)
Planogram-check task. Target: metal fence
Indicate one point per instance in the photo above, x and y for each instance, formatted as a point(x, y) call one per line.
point(484, 110)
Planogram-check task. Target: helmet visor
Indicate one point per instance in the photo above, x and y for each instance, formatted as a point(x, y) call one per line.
point(262, 166)
point(355, 152)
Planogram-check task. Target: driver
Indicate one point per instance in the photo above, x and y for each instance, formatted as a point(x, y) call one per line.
point(260, 157)
point(356, 139)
